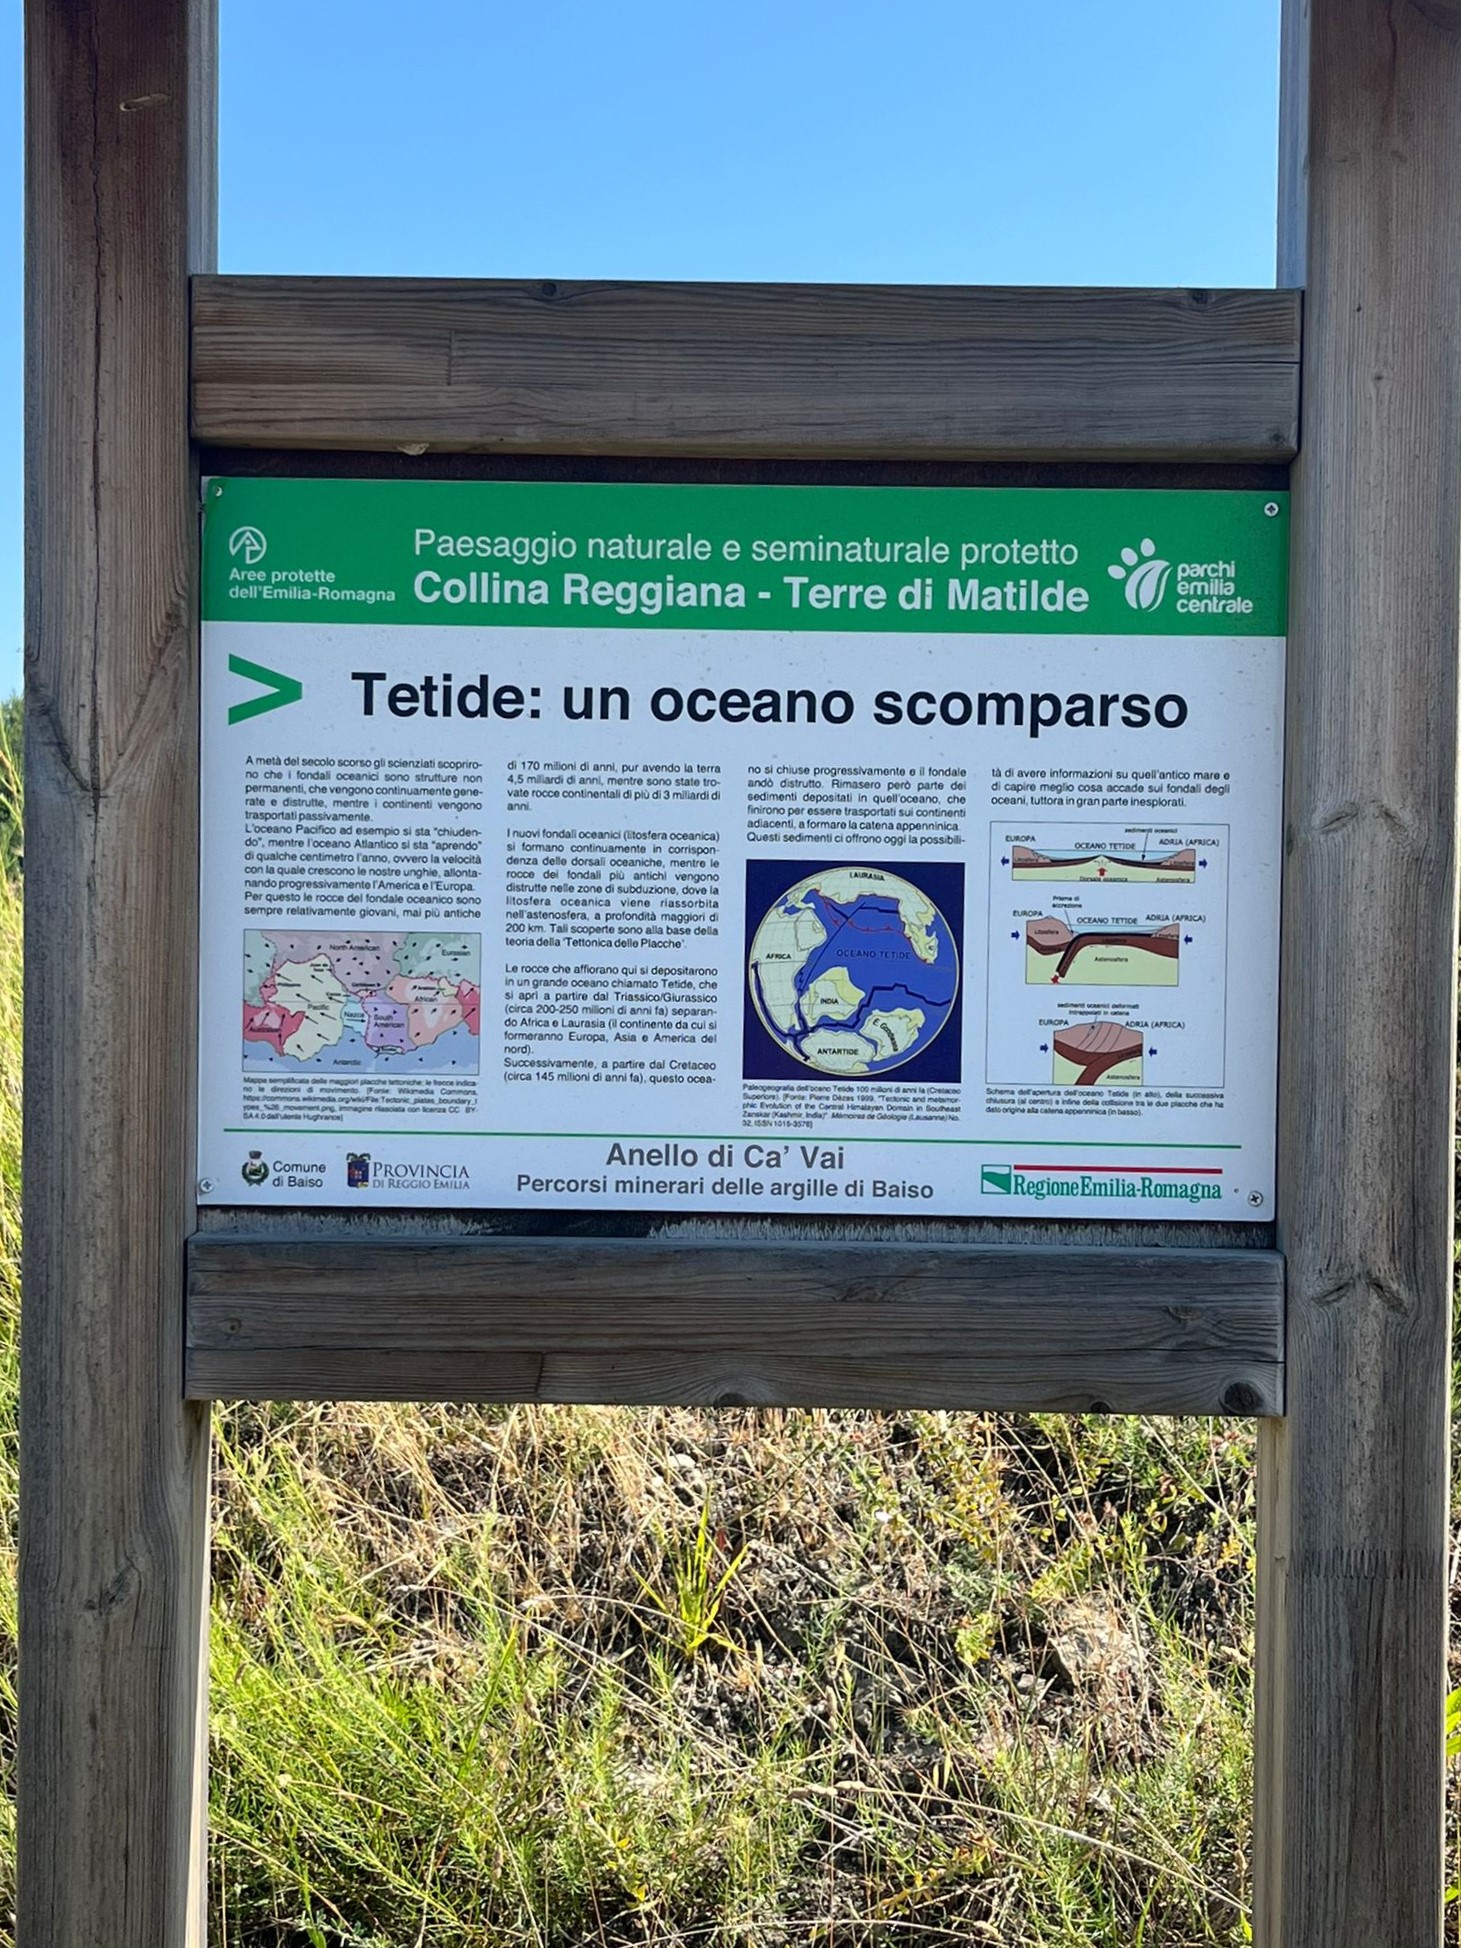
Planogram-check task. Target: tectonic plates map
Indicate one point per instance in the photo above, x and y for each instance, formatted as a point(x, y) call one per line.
point(840, 851)
point(853, 971)
point(348, 1002)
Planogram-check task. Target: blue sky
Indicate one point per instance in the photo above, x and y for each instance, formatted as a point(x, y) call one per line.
point(940, 141)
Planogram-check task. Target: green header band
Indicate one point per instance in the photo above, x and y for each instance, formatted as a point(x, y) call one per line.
point(927, 560)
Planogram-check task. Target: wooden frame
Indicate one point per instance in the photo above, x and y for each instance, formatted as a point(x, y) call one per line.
point(120, 120)
point(933, 376)
point(737, 370)
point(736, 1322)
point(1353, 1486)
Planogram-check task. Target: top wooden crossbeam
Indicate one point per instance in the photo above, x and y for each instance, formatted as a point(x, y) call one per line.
point(746, 370)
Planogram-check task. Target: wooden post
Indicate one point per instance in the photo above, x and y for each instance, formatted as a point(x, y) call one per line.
point(120, 126)
point(1353, 1489)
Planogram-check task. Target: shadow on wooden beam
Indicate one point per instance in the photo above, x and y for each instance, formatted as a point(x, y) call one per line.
point(741, 370)
point(802, 1323)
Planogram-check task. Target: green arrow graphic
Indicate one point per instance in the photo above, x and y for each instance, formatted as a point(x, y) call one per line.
point(282, 689)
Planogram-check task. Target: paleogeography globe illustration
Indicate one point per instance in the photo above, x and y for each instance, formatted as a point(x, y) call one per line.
point(853, 971)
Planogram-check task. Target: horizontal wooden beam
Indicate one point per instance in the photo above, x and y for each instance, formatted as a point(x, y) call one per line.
point(805, 1323)
point(746, 370)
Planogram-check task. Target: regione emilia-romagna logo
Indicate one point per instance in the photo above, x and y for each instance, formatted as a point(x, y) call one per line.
point(1144, 574)
point(250, 543)
point(1195, 1184)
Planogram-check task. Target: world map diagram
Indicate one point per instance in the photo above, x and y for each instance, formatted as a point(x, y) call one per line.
point(853, 971)
point(362, 1003)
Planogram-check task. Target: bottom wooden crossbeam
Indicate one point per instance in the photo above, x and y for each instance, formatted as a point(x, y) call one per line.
point(803, 1322)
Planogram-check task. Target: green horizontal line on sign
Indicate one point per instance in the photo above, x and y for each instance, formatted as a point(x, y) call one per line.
point(771, 1136)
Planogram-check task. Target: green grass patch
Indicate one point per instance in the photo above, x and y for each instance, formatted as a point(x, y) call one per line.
point(560, 1676)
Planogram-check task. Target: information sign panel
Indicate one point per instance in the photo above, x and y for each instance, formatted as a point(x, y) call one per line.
point(862, 851)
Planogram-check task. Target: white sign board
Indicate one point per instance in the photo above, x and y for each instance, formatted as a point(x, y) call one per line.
point(858, 851)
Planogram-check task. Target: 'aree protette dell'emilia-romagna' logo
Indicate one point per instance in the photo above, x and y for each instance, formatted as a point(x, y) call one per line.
point(250, 543)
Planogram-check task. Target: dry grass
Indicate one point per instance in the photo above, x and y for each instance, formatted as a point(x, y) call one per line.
point(563, 1676)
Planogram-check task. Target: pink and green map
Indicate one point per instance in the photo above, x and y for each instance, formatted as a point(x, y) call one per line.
point(362, 1003)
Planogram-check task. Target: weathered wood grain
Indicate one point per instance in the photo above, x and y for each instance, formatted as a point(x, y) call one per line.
point(406, 1290)
point(1352, 1657)
point(946, 372)
point(1129, 1384)
point(814, 1323)
point(114, 1471)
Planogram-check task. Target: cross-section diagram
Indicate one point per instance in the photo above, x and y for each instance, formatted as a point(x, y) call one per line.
point(1101, 957)
point(1091, 1052)
point(1030, 866)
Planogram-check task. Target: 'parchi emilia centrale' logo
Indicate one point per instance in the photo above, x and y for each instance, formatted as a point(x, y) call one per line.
point(1144, 574)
